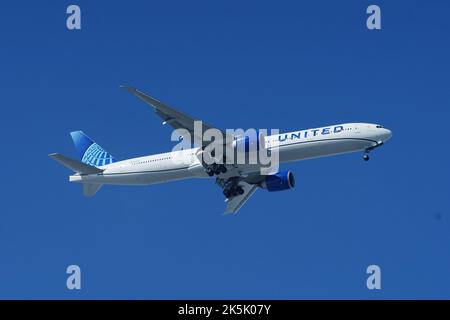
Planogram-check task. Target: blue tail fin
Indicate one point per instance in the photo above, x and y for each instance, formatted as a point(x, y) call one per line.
point(90, 152)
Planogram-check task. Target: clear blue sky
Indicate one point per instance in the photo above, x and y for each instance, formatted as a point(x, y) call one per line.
point(262, 64)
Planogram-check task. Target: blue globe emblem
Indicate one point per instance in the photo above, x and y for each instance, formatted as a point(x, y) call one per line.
point(97, 156)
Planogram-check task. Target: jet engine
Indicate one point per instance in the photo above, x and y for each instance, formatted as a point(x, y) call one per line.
point(283, 180)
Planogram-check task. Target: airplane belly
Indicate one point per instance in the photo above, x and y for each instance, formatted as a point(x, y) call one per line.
point(151, 176)
point(315, 149)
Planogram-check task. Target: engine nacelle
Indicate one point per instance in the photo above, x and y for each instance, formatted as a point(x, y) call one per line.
point(283, 180)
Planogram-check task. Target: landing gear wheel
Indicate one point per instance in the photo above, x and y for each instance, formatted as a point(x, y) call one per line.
point(239, 190)
point(223, 169)
point(366, 157)
point(209, 172)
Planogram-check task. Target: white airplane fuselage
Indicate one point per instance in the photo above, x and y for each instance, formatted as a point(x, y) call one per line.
point(292, 146)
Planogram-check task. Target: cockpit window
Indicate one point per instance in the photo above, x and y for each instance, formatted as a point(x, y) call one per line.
point(380, 127)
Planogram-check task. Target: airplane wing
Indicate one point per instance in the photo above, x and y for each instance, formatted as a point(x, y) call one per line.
point(180, 120)
point(235, 203)
point(175, 118)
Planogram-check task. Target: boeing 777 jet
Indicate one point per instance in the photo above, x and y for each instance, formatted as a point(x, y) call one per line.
point(97, 167)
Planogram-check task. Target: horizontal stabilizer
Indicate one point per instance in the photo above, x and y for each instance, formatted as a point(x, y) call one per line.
point(75, 165)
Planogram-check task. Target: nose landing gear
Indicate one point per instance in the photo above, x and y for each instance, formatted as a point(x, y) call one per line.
point(366, 152)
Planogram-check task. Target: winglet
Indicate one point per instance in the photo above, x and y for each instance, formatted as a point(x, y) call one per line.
point(155, 103)
point(129, 89)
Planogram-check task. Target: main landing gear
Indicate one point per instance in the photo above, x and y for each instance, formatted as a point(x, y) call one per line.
point(233, 191)
point(212, 167)
point(215, 169)
point(230, 187)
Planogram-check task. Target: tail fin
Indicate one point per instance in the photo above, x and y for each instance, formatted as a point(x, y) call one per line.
point(90, 152)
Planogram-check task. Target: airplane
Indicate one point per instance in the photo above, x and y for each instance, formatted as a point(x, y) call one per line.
point(97, 167)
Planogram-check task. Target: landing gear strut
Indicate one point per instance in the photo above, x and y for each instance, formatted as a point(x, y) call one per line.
point(212, 168)
point(366, 152)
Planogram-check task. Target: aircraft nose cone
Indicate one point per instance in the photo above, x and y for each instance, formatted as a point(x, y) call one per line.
point(387, 134)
